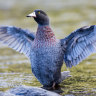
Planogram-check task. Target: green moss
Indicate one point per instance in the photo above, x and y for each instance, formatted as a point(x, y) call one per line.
point(83, 79)
point(26, 68)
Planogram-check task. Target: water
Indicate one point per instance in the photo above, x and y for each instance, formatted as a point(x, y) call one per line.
point(65, 16)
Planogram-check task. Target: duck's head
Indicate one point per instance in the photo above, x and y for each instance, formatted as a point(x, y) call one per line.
point(40, 17)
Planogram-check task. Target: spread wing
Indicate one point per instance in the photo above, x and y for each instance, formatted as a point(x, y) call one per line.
point(17, 38)
point(79, 45)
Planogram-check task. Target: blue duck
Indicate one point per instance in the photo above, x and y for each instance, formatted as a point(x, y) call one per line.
point(46, 53)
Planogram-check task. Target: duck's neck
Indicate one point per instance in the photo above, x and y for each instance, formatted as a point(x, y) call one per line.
point(45, 33)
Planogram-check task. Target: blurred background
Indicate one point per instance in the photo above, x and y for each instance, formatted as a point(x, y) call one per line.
point(65, 17)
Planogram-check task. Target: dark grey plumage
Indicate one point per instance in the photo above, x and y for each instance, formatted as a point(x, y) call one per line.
point(47, 53)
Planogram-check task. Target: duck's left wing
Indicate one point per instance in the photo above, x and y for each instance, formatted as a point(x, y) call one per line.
point(79, 44)
point(17, 38)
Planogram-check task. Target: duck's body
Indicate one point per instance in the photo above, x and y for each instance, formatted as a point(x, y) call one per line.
point(46, 57)
point(47, 53)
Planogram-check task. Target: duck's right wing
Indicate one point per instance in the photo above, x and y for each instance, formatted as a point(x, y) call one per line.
point(79, 45)
point(17, 38)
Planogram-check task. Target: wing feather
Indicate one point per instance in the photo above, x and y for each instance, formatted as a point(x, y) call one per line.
point(79, 45)
point(17, 38)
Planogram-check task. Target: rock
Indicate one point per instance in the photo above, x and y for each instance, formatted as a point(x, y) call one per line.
point(6, 94)
point(64, 75)
point(1, 93)
point(28, 91)
point(33, 91)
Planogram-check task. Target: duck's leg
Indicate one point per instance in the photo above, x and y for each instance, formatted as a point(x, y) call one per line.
point(64, 75)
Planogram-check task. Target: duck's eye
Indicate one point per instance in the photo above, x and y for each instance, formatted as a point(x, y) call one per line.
point(39, 12)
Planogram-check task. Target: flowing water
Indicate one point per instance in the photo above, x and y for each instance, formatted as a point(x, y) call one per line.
point(65, 16)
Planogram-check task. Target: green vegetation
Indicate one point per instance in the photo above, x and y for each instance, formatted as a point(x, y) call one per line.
point(83, 80)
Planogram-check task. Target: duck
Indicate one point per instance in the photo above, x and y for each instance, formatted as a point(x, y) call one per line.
point(47, 53)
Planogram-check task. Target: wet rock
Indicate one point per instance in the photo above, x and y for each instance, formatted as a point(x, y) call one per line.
point(29, 91)
point(6, 94)
point(64, 75)
point(69, 95)
point(1, 93)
